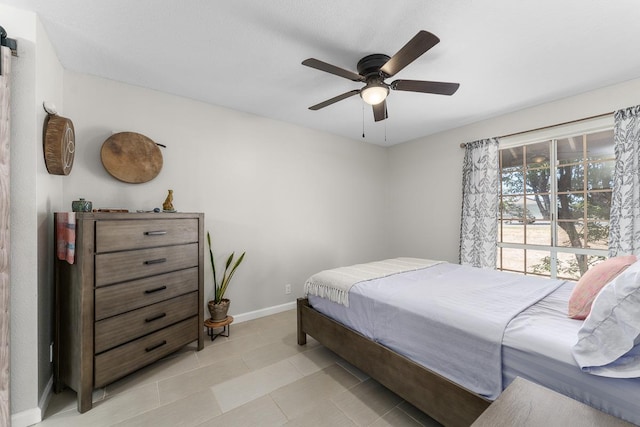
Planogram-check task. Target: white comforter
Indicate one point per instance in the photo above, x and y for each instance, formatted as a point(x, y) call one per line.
point(446, 317)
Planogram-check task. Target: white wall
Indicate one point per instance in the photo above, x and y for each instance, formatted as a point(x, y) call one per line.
point(36, 74)
point(49, 78)
point(426, 174)
point(297, 200)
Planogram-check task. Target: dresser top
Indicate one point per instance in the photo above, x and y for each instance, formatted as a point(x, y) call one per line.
point(135, 215)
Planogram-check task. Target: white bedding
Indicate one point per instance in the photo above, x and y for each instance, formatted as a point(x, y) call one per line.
point(536, 345)
point(468, 309)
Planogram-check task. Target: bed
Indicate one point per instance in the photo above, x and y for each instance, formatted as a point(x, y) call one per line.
point(419, 329)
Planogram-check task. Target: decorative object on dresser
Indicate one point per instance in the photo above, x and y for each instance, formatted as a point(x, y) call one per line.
point(133, 295)
point(167, 206)
point(131, 157)
point(81, 205)
point(219, 306)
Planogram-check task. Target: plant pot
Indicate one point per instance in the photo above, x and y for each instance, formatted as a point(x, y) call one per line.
point(219, 311)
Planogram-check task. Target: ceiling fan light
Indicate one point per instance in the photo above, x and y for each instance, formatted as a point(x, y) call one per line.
point(374, 94)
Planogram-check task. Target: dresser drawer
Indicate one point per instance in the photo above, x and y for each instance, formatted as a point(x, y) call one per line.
point(123, 360)
point(123, 266)
point(137, 234)
point(126, 327)
point(116, 299)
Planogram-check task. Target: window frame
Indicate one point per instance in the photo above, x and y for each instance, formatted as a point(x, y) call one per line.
point(552, 135)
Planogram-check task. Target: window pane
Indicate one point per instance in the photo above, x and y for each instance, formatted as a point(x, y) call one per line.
point(600, 145)
point(512, 208)
point(598, 234)
point(511, 157)
point(513, 259)
point(513, 180)
point(600, 175)
point(539, 205)
point(570, 206)
point(570, 234)
point(599, 205)
point(571, 178)
point(570, 150)
point(539, 233)
point(513, 232)
point(538, 154)
point(539, 262)
point(538, 180)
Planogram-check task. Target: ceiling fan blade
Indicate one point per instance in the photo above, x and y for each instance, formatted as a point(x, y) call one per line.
point(419, 44)
point(323, 66)
point(440, 88)
point(380, 111)
point(334, 100)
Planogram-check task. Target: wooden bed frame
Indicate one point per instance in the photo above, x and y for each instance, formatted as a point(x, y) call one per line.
point(440, 398)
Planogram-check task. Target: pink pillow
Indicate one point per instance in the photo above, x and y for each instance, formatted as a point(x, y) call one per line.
point(592, 281)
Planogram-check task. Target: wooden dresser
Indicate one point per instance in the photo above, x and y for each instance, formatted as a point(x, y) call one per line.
point(133, 295)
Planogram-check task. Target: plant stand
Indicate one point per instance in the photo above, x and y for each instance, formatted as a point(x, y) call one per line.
point(224, 324)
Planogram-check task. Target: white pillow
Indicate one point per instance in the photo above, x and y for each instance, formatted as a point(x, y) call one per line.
point(609, 334)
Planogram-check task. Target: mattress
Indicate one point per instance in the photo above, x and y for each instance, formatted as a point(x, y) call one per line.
point(536, 345)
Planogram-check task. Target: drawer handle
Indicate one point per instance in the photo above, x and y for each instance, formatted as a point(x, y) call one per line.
point(155, 233)
point(150, 291)
point(153, 347)
point(159, 316)
point(155, 261)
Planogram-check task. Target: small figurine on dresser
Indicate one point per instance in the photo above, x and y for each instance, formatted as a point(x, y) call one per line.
point(167, 206)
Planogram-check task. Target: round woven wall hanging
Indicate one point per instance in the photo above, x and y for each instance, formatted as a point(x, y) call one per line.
point(131, 157)
point(59, 143)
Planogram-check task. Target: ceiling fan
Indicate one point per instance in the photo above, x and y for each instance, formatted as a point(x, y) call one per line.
point(374, 69)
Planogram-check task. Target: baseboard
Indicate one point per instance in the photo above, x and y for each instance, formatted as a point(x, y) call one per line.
point(239, 318)
point(46, 397)
point(34, 415)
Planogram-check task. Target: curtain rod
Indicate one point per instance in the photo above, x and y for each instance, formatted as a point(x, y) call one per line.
point(597, 116)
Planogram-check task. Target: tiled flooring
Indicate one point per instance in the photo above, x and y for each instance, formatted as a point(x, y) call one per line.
point(259, 376)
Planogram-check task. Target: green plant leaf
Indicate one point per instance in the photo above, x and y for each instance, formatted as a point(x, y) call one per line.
point(219, 288)
point(213, 267)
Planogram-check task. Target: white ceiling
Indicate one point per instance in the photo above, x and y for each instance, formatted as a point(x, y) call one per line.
point(247, 54)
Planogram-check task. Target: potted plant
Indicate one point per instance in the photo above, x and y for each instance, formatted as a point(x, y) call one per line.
point(219, 306)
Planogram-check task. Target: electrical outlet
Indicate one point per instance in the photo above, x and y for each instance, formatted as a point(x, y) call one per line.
point(287, 289)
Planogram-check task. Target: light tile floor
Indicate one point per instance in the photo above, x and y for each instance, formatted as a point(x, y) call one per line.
point(259, 376)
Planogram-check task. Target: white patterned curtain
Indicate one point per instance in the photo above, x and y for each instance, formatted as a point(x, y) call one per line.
point(624, 233)
point(480, 203)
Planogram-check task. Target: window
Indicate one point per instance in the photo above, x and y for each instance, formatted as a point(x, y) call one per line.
point(554, 204)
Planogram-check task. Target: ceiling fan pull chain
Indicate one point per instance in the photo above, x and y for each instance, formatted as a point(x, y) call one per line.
point(362, 121)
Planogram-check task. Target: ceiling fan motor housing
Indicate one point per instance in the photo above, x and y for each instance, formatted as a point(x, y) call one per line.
point(371, 64)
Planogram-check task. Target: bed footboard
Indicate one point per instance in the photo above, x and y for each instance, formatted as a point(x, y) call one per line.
point(443, 400)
